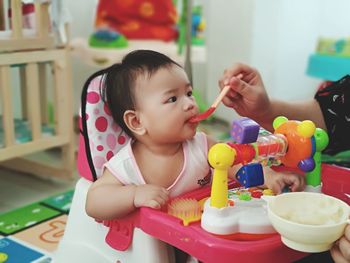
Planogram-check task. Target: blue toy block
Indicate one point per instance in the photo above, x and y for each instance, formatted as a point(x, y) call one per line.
point(250, 175)
point(245, 130)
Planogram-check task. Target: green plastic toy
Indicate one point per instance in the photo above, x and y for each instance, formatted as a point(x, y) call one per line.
point(313, 178)
point(105, 38)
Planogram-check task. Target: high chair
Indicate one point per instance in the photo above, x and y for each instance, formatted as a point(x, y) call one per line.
point(144, 235)
point(84, 238)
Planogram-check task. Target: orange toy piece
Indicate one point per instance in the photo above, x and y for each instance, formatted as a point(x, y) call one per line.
point(187, 209)
point(299, 146)
point(245, 153)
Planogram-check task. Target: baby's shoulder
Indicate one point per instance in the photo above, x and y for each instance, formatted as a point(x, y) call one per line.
point(121, 156)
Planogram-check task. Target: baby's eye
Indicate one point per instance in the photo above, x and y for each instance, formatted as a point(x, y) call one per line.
point(172, 99)
point(190, 93)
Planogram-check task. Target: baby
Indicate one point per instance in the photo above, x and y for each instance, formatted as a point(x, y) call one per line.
point(150, 98)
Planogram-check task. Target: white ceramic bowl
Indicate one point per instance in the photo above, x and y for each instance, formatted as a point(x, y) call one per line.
point(308, 222)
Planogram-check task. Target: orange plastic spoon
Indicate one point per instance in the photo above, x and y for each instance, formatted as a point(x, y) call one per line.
point(208, 112)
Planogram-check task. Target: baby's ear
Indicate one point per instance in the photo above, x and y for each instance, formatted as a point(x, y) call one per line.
point(132, 121)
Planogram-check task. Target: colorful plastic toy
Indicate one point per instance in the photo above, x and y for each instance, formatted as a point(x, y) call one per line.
point(250, 175)
point(187, 209)
point(294, 144)
point(245, 130)
point(198, 25)
point(220, 157)
point(225, 218)
point(106, 38)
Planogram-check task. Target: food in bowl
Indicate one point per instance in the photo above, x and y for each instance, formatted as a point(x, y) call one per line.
point(308, 222)
point(321, 211)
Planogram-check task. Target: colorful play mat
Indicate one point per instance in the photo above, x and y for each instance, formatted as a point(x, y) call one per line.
point(31, 233)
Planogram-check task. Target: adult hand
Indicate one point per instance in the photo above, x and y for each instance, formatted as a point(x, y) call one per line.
point(341, 250)
point(247, 96)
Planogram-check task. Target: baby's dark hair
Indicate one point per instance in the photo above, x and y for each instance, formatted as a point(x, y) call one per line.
point(119, 82)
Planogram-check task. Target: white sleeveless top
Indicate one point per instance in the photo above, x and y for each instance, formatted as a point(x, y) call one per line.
point(194, 174)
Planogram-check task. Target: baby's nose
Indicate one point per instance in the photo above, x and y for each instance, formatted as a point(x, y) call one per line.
point(190, 104)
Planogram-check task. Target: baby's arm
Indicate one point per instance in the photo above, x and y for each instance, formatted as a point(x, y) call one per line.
point(108, 198)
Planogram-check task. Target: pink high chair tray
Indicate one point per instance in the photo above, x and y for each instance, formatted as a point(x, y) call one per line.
point(336, 182)
point(210, 248)
point(196, 241)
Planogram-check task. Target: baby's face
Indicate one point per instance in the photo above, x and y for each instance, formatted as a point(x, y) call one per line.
point(165, 104)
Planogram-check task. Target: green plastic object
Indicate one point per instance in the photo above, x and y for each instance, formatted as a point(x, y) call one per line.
point(313, 178)
point(198, 41)
point(245, 197)
point(119, 42)
point(182, 28)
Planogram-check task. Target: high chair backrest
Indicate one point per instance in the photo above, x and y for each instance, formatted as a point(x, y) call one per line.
point(100, 137)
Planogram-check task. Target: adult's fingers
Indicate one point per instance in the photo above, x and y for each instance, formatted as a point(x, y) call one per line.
point(344, 247)
point(241, 87)
point(347, 232)
point(235, 70)
point(230, 99)
point(337, 255)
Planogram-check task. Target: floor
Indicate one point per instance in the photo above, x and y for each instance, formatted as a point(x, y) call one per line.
point(33, 213)
point(19, 189)
point(33, 216)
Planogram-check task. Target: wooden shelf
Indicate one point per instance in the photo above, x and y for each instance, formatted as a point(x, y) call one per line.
point(99, 57)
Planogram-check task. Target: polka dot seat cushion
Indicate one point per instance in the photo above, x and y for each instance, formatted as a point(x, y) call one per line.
point(100, 137)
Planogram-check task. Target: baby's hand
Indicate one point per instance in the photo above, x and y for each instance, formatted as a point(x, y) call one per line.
point(276, 181)
point(150, 196)
point(341, 250)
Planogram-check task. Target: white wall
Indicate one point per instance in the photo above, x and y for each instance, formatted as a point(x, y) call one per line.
point(83, 14)
point(229, 40)
point(275, 36)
